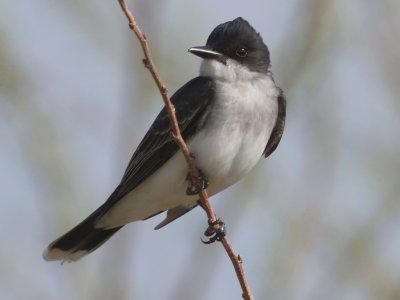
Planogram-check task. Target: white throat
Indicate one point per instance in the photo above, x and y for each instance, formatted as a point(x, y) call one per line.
point(230, 72)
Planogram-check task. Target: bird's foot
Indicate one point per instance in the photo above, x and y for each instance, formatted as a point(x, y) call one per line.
point(215, 232)
point(196, 184)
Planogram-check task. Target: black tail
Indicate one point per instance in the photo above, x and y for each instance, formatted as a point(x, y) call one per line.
point(79, 241)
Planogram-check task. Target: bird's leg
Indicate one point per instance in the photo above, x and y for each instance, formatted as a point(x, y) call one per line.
point(215, 231)
point(196, 184)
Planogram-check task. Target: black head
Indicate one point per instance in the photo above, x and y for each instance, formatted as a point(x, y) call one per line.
point(236, 40)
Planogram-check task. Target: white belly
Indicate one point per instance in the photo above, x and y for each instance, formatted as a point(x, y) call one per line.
point(226, 149)
point(235, 136)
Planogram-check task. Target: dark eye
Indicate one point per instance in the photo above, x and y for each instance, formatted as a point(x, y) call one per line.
point(241, 52)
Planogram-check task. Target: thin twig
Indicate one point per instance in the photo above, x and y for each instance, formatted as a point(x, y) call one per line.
point(189, 156)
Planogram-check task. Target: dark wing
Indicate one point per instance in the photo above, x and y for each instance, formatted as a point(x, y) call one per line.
point(277, 132)
point(192, 105)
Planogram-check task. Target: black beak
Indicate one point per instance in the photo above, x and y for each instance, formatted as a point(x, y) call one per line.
point(205, 52)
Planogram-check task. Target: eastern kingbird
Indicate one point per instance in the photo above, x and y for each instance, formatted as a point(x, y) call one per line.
point(230, 116)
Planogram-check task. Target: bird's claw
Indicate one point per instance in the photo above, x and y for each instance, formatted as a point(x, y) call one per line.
point(215, 232)
point(194, 188)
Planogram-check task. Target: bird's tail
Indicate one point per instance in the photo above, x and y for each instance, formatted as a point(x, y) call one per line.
point(79, 241)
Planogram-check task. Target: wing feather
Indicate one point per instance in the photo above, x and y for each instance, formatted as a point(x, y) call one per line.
point(192, 105)
point(277, 132)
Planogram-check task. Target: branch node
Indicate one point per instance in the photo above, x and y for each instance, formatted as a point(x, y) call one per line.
point(146, 63)
point(164, 90)
point(239, 258)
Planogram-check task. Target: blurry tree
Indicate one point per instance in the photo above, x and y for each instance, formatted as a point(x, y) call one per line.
point(318, 220)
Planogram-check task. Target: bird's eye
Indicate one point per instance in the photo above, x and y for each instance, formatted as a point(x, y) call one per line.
point(241, 52)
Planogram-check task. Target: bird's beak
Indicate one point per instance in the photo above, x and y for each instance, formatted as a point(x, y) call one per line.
point(205, 52)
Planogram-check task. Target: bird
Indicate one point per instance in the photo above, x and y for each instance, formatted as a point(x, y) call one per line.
point(231, 116)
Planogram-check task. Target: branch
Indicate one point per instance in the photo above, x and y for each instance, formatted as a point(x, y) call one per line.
point(189, 156)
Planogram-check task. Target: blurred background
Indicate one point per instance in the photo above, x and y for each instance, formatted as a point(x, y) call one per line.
point(319, 219)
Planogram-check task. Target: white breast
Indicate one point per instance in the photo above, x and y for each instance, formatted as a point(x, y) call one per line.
point(228, 147)
point(239, 126)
